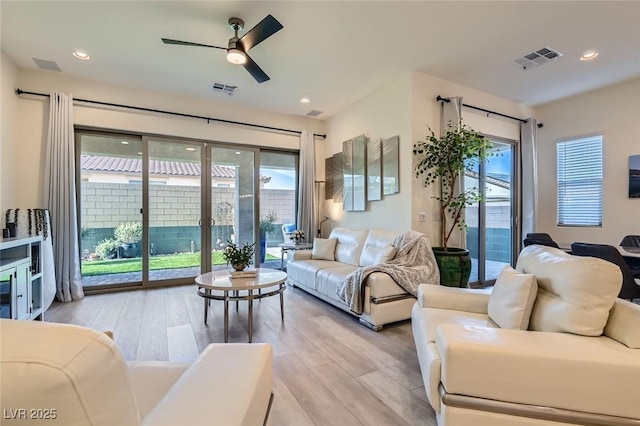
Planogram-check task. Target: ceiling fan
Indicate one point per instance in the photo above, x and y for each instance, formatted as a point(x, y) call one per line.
point(238, 47)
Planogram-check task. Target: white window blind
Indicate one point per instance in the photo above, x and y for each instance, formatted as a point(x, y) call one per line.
point(580, 181)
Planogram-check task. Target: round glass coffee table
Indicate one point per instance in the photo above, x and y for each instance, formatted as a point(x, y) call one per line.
point(240, 289)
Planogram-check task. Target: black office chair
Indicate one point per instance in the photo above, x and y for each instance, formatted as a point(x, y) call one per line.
point(539, 236)
point(532, 241)
point(630, 289)
point(631, 241)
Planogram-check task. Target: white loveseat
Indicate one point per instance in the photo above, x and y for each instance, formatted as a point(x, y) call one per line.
point(477, 374)
point(384, 300)
point(73, 376)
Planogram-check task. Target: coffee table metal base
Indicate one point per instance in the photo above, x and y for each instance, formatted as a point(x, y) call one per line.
point(237, 297)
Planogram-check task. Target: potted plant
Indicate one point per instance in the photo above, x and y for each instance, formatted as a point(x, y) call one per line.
point(238, 257)
point(267, 224)
point(129, 235)
point(445, 159)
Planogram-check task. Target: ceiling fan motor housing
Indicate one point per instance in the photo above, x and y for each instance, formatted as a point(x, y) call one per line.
point(236, 24)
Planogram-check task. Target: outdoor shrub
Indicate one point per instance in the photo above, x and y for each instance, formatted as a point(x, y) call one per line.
point(129, 232)
point(107, 249)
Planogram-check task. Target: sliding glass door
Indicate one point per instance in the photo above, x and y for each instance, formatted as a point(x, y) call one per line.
point(148, 213)
point(232, 193)
point(110, 208)
point(491, 222)
point(175, 209)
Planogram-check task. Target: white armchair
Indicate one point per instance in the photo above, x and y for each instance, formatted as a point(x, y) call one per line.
point(77, 376)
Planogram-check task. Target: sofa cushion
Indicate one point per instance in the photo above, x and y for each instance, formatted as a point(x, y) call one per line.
point(324, 248)
point(624, 323)
point(587, 374)
point(430, 318)
point(349, 245)
point(378, 247)
point(304, 271)
point(575, 294)
point(511, 301)
point(328, 279)
point(151, 380)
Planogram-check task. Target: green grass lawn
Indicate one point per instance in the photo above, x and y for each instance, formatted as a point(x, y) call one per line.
point(169, 261)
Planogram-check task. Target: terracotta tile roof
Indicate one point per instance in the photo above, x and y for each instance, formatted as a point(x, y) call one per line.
point(134, 165)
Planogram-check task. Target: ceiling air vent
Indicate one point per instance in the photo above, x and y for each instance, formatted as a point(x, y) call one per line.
point(46, 65)
point(224, 88)
point(314, 113)
point(537, 58)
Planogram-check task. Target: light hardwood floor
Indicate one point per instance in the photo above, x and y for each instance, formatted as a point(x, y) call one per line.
point(328, 369)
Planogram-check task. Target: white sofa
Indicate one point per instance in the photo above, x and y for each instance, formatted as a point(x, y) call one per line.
point(477, 374)
point(384, 300)
point(68, 375)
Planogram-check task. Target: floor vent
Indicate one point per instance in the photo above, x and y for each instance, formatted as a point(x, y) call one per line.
point(314, 113)
point(224, 88)
point(46, 65)
point(537, 58)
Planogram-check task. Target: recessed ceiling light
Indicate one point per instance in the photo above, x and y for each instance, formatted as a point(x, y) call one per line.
point(238, 153)
point(139, 153)
point(589, 55)
point(81, 54)
point(190, 149)
point(124, 142)
point(305, 100)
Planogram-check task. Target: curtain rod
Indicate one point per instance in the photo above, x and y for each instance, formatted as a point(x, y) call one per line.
point(522, 120)
point(179, 114)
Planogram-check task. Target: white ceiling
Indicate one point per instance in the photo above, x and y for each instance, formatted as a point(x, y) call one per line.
point(332, 52)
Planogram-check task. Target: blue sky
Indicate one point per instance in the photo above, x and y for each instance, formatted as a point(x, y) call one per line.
point(634, 162)
point(280, 178)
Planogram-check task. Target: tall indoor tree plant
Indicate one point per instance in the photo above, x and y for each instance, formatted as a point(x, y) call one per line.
point(445, 160)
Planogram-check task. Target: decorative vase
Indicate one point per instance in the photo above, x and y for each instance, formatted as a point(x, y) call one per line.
point(239, 266)
point(454, 265)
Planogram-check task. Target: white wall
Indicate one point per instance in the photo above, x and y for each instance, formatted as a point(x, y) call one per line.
point(31, 120)
point(405, 107)
point(615, 112)
point(8, 143)
point(382, 114)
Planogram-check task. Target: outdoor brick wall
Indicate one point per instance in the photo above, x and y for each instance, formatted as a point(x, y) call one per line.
point(174, 212)
point(498, 232)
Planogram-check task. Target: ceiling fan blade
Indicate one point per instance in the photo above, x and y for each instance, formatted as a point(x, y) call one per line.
point(255, 71)
point(262, 31)
point(188, 43)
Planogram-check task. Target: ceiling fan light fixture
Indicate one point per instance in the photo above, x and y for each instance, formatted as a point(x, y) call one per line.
point(236, 56)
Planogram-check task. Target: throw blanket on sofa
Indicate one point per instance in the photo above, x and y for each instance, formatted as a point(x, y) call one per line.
point(414, 264)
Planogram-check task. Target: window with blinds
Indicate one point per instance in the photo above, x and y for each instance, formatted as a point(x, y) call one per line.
point(580, 181)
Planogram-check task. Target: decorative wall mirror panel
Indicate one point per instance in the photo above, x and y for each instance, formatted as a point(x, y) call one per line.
point(354, 168)
point(337, 177)
point(390, 165)
point(328, 178)
point(374, 170)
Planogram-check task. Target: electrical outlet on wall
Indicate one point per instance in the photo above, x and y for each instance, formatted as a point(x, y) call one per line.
point(422, 217)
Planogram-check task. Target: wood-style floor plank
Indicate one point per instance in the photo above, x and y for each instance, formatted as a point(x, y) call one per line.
point(411, 408)
point(181, 344)
point(355, 397)
point(127, 331)
point(286, 410)
point(312, 395)
point(328, 369)
point(153, 332)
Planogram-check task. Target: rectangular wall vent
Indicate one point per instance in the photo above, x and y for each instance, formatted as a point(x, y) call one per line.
point(537, 58)
point(224, 88)
point(314, 113)
point(46, 65)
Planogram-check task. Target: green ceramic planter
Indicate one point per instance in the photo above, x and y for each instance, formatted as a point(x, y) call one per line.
point(454, 265)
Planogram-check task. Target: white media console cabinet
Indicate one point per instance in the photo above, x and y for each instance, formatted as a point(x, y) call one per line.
point(21, 278)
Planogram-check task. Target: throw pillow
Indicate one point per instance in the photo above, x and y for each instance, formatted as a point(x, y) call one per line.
point(324, 248)
point(511, 301)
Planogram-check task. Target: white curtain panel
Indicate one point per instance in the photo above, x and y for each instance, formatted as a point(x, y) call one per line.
point(60, 197)
point(306, 185)
point(529, 176)
point(452, 113)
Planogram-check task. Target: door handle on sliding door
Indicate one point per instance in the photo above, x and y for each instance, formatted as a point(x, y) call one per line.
point(212, 221)
point(200, 222)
